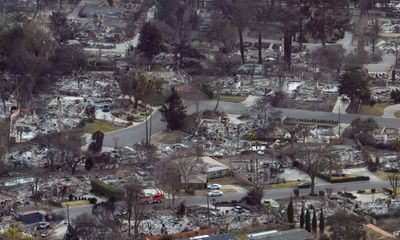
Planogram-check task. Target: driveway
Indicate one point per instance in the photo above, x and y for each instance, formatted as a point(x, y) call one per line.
point(391, 110)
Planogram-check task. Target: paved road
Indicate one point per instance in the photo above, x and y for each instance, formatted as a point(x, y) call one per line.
point(130, 136)
point(269, 194)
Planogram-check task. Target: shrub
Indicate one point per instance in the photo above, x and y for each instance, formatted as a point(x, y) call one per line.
point(55, 203)
point(360, 191)
point(207, 90)
point(106, 190)
point(92, 200)
point(71, 197)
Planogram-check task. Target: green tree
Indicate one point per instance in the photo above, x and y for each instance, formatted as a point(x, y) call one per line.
point(137, 84)
point(314, 221)
point(354, 84)
point(327, 19)
point(302, 217)
point(345, 226)
point(395, 96)
point(173, 111)
point(24, 52)
point(150, 41)
point(14, 232)
point(307, 219)
point(321, 222)
point(97, 142)
point(290, 211)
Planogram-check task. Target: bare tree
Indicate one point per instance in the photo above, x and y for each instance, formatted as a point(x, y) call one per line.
point(373, 31)
point(314, 160)
point(87, 226)
point(238, 12)
point(394, 179)
point(104, 210)
point(187, 166)
point(134, 205)
point(66, 146)
point(169, 178)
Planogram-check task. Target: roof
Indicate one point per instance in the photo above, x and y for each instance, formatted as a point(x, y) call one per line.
point(292, 234)
point(197, 178)
point(214, 163)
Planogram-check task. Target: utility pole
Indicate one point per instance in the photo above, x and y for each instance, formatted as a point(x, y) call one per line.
point(208, 210)
point(68, 215)
point(339, 123)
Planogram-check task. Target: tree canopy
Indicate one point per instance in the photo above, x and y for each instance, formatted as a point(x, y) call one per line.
point(354, 84)
point(173, 111)
point(150, 41)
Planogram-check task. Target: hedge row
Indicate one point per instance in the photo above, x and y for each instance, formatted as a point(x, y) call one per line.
point(106, 190)
point(348, 178)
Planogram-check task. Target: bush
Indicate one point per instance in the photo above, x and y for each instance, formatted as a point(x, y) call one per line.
point(71, 197)
point(93, 200)
point(360, 191)
point(345, 178)
point(106, 190)
point(207, 90)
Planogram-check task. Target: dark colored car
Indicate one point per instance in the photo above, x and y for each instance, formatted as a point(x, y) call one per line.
point(304, 185)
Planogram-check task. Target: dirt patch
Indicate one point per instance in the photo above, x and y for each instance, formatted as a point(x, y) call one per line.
point(169, 137)
point(376, 110)
point(389, 224)
point(326, 105)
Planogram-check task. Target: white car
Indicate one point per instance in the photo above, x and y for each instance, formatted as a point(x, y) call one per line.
point(214, 186)
point(238, 209)
point(215, 193)
point(177, 146)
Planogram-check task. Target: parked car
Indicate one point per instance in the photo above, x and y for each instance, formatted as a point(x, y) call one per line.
point(42, 225)
point(177, 146)
point(238, 209)
point(214, 186)
point(215, 193)
point(304, 185)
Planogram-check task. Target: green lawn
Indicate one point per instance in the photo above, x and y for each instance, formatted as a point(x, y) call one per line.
point(97, 125)
point(397, 114)
point(75, 203)
point(233, 99)
point(241, 236)
point(375, 110)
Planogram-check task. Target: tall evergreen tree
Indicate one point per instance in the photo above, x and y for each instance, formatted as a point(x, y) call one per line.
point(70, 234)
point(314, 221)
point(173, 111)
point(321, 222)
point(290, 211)
point(150, 41)
point(308, 224)
point(302, 217)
